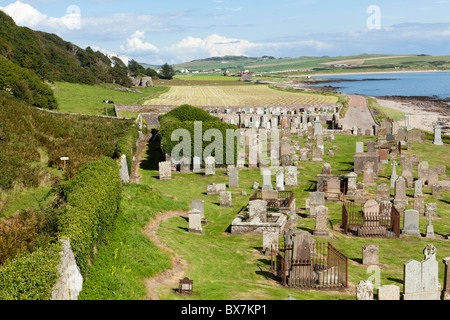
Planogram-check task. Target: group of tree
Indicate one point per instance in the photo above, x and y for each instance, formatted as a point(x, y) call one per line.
point(135, 69)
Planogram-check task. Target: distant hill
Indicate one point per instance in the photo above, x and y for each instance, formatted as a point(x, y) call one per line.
point(52, 58)
point(358, 63)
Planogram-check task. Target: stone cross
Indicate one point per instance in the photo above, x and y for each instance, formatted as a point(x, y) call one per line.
point(430, 228)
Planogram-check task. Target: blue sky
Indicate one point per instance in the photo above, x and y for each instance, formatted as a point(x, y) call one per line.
point(175, 31)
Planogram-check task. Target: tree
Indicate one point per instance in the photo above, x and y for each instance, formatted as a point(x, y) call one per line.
point(167, 72)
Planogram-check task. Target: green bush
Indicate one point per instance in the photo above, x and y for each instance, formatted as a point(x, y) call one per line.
point(184, 117)
point(30, 276)
point(127, 145)
point(92, 204)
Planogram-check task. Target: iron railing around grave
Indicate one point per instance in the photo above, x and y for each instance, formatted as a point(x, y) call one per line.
point(324, 268)
point(385, 224)
point(284, 199)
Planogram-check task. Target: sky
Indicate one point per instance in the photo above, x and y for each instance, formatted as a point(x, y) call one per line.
point(176, 31)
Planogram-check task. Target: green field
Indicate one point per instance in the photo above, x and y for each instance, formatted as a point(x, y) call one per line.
point(86, 99)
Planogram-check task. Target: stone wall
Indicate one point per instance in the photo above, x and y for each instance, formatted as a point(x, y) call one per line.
point(70, 282)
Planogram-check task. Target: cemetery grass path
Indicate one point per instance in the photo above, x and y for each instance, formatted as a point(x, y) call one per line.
point(169, 278)
point(358, 114)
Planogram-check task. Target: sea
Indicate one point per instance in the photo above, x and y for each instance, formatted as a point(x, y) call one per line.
point(427, 84)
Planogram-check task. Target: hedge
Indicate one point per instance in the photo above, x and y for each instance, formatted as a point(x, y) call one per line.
point(184, 117)
point(31, 276)
point(93, 203)
point(127, 146)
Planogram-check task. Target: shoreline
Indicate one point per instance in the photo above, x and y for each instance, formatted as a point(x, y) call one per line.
point(364, 73)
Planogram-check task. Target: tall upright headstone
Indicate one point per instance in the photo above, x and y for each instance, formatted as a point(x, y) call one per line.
point(233, 176)
point(200, 206)
point(438, 135)
point(267, 179)
point(321, 228)
point(291, 179)
point(195, 221)
point(411, 222)
point(351, 183)
point(280, 179)
point(210, 166)
point(165, 170)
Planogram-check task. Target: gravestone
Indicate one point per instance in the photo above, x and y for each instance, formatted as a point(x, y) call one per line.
point(359, 147)
point(351, 183)
point(253, 157)
point(270, 240)
point(400, 191)
point(267, 179)
point(316, 199)
point(383, 154)
point(383, 192)
point(371, 215)
point(419, 205)
point(225, 199)
point(326, 168)
point(124, 174)
point(433, 176)
point(421, 279)
point(422, 172)
point(430, 227)
point(257, 208)
point(317, 128)
point(368, 178)
point(371, 146)
point(436, 190)
point(210, 166)
point(233, 176)
point(370, 254)
point(394, 175)
point(195, 221)
point(165, 170)
point(196, 165)
point(407, 171)
point(418, 189)
point(364, 290)
point(446, 291)
point(437, 136)
point(389, 292)
point(200, 206)
point(411, 222)
point(317, 155)
point(255, 185)
point(291, 176)
point(215, 189)
point(280, 179)
point(321, 228)
point(431, 208)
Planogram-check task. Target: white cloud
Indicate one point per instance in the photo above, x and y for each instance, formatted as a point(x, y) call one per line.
point(26, 15)
point(138, 44)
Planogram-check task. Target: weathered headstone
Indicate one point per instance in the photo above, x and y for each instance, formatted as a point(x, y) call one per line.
point(225, 199)
point(411, 222)
point(165, 170)
point(195, 221)
point(316, 199)
point(291, 179)
point(267, 179)
point(370, 254)
point(437, 135)
point(196, 165)
point(280, 179)
point(422, 172)
point(351, 183)
point(383, 192)
point(317, 155)
point(389, 292)
point(270, 240)
point(321, 228)
point(210, 166)
point(421, 279)
point(430, 227)
point(359, 147)
point(400, 191)
point(364, 290)
point(418, 189)
point(124, 174)
point(446, 291)
point(419, 205)
point(431, 209)
point(200, 206)
point(371, 146)
point(326, 168)
point(368, 178)
point(407, 171)
point(233, 176)
point(214, 189)
point(257, 208)
point(433, 176)
point(394, 175)
point(371, 215)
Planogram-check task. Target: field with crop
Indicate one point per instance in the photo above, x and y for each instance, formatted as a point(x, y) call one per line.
point(239, 96)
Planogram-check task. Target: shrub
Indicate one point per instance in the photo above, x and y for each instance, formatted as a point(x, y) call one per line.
point(92, 204)
point(30, 276)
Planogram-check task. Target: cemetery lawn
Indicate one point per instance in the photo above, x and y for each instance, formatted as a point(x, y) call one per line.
point(230, 267)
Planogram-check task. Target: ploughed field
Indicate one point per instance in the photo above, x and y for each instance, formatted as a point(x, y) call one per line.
point(239, 96)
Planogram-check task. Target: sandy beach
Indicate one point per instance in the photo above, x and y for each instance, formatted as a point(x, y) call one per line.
point(424, 114)
point(358, 73)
